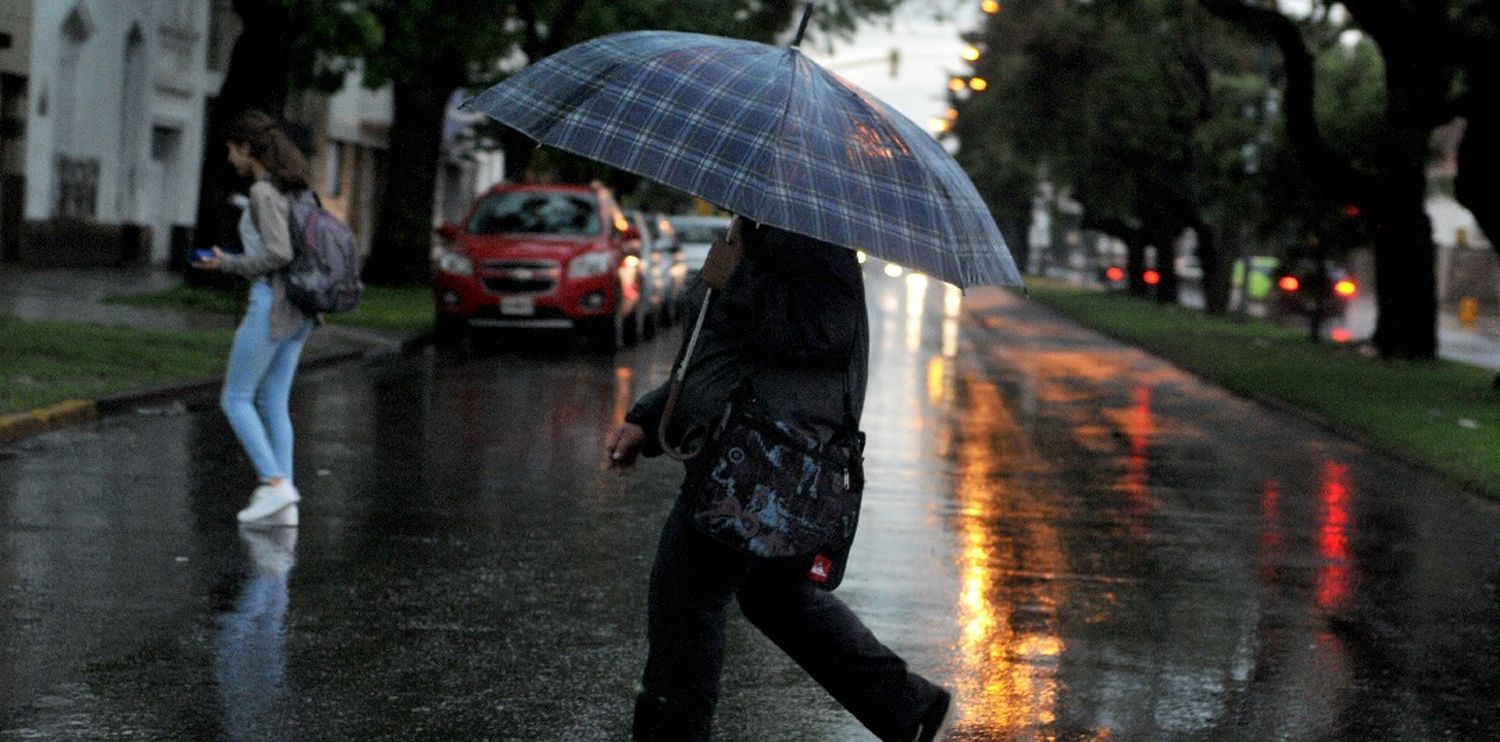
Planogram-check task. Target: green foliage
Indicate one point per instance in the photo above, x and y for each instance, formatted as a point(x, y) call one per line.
point(48, 362)
point(1351, 102)
point(1150, 112)
point(399, 39)
point(403, 309)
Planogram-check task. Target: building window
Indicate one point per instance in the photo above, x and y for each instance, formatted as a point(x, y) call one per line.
point(333, 171)
point(164, 142)
point(77, 186)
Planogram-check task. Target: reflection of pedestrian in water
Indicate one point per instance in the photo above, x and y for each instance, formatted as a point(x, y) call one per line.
point(790, 322)
point(268, 343)
point(250, 661)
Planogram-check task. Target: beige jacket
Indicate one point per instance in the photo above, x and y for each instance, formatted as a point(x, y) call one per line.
point(265, 231)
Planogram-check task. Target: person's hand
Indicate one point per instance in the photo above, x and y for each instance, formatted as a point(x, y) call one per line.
point(213, 263)
point(623, 445)
point(723, 257)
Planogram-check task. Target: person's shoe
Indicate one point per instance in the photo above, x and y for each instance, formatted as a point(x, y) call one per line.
point(933, 723)
point(269, 500)
point(283, 518)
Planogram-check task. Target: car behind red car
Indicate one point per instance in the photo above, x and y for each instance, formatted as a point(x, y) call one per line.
point(541, 256)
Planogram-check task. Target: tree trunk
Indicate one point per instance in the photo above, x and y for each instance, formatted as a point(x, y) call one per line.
point(1135, 264)
point(1015, 231)
point(259, 77)
point(1405, 278)
point(1216, 270)
point(1169, 290)
point(399, 252)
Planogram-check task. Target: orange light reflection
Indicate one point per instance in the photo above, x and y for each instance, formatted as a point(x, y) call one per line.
point(624, 388)
point(1007, 680)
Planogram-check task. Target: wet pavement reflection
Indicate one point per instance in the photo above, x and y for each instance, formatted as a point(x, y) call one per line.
point(1083, 542)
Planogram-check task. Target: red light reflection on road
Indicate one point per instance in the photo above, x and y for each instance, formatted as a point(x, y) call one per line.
point(1270, 537)
point(1141, 427)
point(1333, 535)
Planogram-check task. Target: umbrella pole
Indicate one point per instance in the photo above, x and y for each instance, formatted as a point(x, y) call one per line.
point(675, 389)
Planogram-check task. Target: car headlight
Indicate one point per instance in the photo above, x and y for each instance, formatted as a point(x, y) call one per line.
point(454, 263)
point(589, 265)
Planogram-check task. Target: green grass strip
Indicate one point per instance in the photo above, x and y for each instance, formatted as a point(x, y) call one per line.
point(405, 309)
point(42, 363)
point(1442, 414)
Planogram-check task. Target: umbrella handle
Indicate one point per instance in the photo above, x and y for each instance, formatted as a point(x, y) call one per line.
point(675, 390)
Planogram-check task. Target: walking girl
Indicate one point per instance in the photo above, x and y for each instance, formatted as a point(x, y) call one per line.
point(268, 343)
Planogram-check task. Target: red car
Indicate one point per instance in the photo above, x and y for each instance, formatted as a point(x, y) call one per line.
point(541, 256)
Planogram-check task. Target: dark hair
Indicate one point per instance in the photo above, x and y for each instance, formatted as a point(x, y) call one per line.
point(270, 145)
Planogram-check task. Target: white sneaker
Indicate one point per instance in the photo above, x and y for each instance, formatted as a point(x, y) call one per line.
point(268, 500)
point(283, 518)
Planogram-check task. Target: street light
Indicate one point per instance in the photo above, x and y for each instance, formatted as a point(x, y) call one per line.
point(956, 84)
point(978, 84)
point(971, 53)
point(990, 6)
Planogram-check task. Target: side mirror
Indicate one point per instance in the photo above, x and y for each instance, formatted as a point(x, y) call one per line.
point(448, 232)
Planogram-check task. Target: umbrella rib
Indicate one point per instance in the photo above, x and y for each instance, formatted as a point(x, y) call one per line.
point(777, 152)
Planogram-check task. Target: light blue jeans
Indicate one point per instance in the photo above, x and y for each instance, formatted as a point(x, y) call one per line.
point(258, 386)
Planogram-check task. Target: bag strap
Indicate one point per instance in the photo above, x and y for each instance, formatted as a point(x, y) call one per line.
point(680, 371)
point(675, 390)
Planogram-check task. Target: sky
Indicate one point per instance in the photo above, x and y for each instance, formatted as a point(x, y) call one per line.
point(929, 56)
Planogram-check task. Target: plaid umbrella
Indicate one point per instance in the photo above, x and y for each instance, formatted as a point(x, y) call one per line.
point(766, 133)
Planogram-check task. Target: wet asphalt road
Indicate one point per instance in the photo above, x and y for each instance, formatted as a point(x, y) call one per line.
point(1082, 541)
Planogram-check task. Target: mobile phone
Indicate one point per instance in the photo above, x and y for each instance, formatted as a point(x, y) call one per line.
point(202, 256)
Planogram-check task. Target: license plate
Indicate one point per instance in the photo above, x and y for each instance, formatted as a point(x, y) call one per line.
point(517, 306)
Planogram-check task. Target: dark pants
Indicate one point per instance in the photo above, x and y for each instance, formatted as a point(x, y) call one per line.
point(691, 584)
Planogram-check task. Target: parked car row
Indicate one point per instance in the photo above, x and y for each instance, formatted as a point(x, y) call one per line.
point(567, 258)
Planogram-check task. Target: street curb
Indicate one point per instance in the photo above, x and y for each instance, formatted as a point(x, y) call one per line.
point(70, 412)
point(1312, 418)
point(77, 411)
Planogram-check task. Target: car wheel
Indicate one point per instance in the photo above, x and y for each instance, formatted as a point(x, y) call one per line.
point(645, 324)
point(449, 330)
point(609, 334)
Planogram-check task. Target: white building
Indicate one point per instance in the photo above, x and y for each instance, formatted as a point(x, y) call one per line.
point(102, 113)
point(111, 130)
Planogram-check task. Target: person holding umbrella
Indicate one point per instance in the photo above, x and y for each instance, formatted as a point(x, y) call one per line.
point(790, 323)
point(816, 168)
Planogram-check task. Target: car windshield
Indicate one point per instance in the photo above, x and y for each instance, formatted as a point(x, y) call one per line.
point(532, 212)
point(699, 233)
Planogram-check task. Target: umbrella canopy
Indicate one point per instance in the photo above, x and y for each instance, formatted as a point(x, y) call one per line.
point(766, 133)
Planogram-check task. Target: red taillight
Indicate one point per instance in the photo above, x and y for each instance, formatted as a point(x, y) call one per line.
point(1345, 288)
point(1115, 274)
point(1152, 278)
point(1289, 284)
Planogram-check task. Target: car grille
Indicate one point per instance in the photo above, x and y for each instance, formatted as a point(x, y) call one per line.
point(520, 276)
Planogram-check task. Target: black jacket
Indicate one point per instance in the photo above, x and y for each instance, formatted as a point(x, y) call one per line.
point(791, 324)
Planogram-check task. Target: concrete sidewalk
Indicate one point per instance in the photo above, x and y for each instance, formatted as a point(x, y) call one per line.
point(81, 296)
